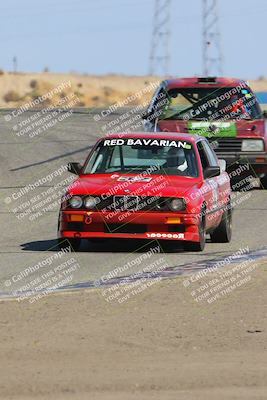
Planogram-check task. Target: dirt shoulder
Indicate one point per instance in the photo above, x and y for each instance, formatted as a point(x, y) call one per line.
point(162, 344)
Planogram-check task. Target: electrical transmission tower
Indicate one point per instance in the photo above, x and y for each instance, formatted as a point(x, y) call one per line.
point(212, 52)
point(159, 55)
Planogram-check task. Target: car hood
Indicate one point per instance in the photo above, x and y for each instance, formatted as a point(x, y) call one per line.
point(122, 184)
point(230, 128)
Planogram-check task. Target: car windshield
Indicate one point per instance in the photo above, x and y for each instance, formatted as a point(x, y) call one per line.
point(131, 156)
point(210, 104)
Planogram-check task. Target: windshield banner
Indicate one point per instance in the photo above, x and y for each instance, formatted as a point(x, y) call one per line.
point(147, 142)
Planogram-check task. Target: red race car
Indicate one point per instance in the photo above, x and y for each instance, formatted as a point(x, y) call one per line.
point(225, 110)
point(161, 186)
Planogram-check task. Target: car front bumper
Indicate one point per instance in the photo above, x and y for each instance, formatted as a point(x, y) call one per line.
point(254, 159)
point(136, 225)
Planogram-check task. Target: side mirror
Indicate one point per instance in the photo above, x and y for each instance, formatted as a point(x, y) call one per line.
point(222, 165)
point(211, 172)
point(264, 113)
point(74, 168)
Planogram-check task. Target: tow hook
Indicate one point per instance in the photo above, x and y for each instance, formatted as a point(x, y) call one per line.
point(88, 219)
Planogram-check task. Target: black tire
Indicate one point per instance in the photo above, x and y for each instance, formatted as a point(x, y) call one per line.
point(223, 232)
point(198, 246)
point(74, 243)
point(264, 182)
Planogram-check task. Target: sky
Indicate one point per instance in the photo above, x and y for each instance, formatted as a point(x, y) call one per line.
point(114, 36)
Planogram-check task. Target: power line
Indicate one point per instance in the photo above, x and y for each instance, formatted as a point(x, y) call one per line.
point(212, 51)
point(159, 54)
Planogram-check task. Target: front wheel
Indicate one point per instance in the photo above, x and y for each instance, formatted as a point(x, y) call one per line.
point(223, 232)
point(198, 246)
point(263, 182)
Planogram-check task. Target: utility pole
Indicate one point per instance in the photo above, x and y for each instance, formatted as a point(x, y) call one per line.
point(159, 55)
point(15, 64)
point(212, 51)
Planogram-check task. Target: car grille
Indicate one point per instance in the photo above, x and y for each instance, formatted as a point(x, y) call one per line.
point(226, 145)
point(131, 203)
point(139, 203)
point(123, 203)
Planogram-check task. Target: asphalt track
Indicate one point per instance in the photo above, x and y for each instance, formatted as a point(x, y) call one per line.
point(25, 242)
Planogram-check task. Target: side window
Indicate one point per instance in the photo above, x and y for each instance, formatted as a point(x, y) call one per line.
point(213, 161)
point(203, 155)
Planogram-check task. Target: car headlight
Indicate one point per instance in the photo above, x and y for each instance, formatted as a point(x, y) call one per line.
point(252, 145)
point(177, 204)
point(90, 202)
point(76, 202)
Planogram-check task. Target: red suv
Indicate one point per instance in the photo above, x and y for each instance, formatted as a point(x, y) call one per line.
point(224, 110)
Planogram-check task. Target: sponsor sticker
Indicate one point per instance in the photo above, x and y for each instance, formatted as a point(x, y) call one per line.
point(204, 124)
point(165, 235)
point(148, 142)
point(134, 179)
point(208, 129)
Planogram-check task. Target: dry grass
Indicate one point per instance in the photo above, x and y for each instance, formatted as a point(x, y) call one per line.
point(90, 90)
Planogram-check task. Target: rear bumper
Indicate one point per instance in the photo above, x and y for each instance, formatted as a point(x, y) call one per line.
point(135, 225)
point(254, 158)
